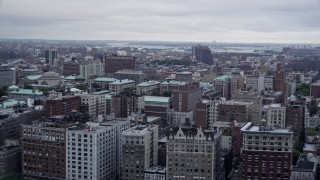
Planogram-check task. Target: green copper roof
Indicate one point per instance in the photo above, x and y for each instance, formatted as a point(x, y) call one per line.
point(124, 81)
point(33, 77)
point(27, 92)
point(223, 78)
point(179, 83)
point(11, 103)
point(157, 99)
point(105, 79)
point(149, 83)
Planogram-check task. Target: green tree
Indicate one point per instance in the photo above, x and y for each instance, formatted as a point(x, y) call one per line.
point(13, 176)
point(303, 89)
point(3, 90)
point(82, 87)
point(27, 86)
point(167, 94)
point(95, 85)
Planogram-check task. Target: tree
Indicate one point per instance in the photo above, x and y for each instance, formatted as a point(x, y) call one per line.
point(167, 94)
point(303, 89)
point(82, 87)
point(13, 176)
point(95, 85)
point(3, 90)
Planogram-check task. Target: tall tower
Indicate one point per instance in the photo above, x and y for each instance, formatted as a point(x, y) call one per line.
point(202, 54)
point(50, 55)
point(279, 80)
point(139, 150)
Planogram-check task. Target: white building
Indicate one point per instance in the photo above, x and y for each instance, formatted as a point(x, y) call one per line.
point(259, 83)
point(148, 87)
point(140, 150)
point(276, 116)
point(95, 104)
point(312, 122)
point(91, 68)
point(93, 151)
point(120, 85)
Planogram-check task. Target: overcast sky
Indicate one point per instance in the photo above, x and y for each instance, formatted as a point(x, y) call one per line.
point(284, 21)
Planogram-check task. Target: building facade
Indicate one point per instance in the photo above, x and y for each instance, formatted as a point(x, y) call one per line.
point(43, 151)
point(202, 54)
point(267, 153)
point(139, 151)
point(115, 63)
point(193, 154)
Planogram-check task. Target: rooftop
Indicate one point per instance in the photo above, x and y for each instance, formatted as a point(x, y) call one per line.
point(138, 130)
point(263, 129)
point(10, 103)
point(157, 99)
point(156, 169)
point(223, 78)
point(33, 77)
point(184, 72)
point(27, 92)
point(105, 79)
point(178, 83)
point(149, 83)
point(304, 165)
point(120, 82)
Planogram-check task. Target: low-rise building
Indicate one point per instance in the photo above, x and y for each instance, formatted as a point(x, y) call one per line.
point(155, 173)
point(304, 169)
point(148, 88)
point(120, 85)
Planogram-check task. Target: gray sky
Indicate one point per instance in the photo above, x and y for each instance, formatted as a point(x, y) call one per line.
point(284, 21)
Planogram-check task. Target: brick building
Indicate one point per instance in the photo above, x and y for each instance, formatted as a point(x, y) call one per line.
point(267, 153)
point(43, 151)
point(57, 107)
point(115, 63)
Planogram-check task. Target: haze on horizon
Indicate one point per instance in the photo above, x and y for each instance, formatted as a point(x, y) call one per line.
point(272, 21)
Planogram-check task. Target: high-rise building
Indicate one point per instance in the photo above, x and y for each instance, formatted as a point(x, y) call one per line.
point(50, 56)
point(70, 68)
point(93, 104)
point(8, 76)
point(91, 68)
point(186, 98)
point(43, 151)
point(223, 85)
point(123, 106)
point(259, 83)
point(255, 98)
point(115, 63)
point(58, 107)
point(276, 116)
point(279, 83)
point(205, 113)
point(230, 111)
point(295, 118)
point(10, 158)
point(139, 150)
point(193, 154)
point(202, 54)
point(93, 151)
point(315, 90)
point(266, 152)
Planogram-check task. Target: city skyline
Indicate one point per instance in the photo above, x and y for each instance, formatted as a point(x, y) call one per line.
point(241, 21)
